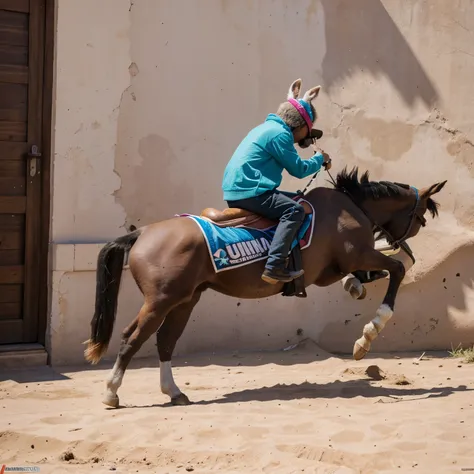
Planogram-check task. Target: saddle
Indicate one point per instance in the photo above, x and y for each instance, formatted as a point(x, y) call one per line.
point(236, 217)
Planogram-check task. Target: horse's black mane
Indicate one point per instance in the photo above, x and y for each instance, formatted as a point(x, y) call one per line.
point(363, 188)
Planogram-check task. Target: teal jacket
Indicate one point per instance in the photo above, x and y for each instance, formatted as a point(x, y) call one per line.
point(258, 162)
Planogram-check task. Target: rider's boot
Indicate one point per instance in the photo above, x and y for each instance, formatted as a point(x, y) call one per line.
point(280, 275)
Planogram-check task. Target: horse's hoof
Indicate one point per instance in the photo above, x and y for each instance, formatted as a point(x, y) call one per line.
point(112, 401)
point(181, 400)
point(359, 352)
point(363, 294)
point(357, 292)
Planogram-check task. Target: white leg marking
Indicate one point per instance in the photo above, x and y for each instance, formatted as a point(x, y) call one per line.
point(372, 329)
point(384, 313)
point(114, 381)
point(168, 386)
point(353, 286)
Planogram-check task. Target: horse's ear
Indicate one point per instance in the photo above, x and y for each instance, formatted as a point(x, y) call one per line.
point(312, 94)
point(295, 89)
point(433, 189)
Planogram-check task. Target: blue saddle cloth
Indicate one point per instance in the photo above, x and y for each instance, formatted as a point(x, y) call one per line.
point(233, 247)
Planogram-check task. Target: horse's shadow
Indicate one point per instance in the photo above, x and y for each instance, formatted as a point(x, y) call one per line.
point(332, 390)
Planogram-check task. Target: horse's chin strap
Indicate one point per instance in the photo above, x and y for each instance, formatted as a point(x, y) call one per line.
point(395, 243)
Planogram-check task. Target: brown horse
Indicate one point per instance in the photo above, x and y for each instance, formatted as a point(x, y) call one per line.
point(171, 265)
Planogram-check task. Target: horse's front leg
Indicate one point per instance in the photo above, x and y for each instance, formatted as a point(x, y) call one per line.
point(374, 260)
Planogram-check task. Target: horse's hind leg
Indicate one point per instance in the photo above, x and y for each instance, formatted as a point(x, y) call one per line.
point(166, 338)
point(147, 322)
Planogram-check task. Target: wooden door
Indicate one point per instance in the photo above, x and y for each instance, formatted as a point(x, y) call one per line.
point(21, 88)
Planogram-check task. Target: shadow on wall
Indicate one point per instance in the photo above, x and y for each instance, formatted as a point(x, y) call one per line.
point(361, 36)
point(428, 313)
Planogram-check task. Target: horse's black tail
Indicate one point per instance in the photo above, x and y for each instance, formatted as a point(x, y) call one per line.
point(109, 273)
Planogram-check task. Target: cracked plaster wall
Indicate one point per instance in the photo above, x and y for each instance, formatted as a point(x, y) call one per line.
point(151, 103)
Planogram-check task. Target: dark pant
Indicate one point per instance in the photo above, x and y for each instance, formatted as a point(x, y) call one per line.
point(276, 205)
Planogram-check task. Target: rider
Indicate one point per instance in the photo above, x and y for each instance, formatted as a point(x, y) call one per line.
point(254, 173)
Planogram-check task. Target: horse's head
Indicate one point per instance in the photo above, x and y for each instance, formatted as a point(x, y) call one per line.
point(407, 221)
point(300, 114)
point(398, 210)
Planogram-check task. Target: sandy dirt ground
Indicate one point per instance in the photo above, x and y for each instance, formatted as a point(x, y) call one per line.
point(300, 410)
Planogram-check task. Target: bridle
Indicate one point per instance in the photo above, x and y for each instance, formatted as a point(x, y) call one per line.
point(395, 243)
point(413, 216)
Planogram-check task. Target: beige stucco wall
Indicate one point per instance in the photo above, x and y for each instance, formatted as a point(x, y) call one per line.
point(153, 96)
